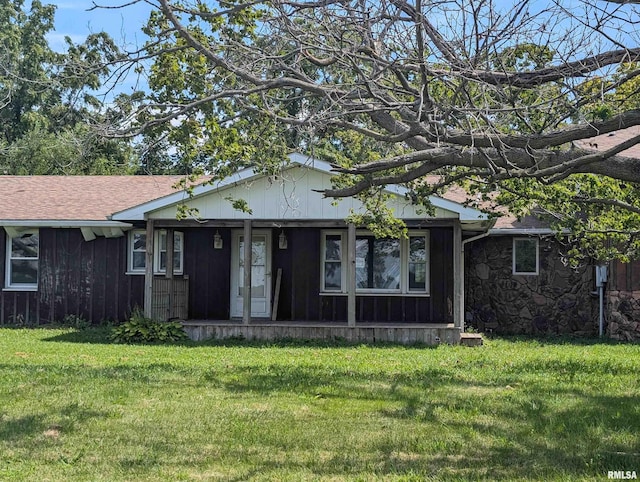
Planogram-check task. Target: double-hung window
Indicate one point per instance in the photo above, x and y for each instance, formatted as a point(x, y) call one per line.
point(23, 252)
point(382, 265)
point(332, 262)
point(525, 256)
point(138, 252)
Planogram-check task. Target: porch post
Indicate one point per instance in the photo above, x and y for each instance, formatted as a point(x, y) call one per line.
point(458, 277)
point(246, 296)
point(169, 272)
point(148, 272)
point(351, 275)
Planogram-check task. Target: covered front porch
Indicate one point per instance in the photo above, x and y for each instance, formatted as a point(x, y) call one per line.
point(292, 267)
point(296, 305)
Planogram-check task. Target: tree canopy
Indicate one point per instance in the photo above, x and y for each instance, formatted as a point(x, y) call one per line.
point(495, 95)
point(46, 97)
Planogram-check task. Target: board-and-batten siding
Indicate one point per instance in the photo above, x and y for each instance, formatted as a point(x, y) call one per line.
point(87, 278)
point(300, 299)
point(292, 196)
point(76, 277)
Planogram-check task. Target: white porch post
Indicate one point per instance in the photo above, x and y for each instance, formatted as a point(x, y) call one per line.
point(246, 295)
point(351, 275)
point(458, 277)
point(148, 272)
point(169, 272)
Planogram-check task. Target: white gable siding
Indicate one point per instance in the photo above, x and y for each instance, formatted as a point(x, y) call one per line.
point(290, 196)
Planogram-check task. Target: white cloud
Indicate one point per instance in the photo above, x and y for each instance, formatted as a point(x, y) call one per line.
point(57, 43)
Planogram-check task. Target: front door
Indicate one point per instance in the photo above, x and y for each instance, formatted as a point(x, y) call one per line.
point(260, 274)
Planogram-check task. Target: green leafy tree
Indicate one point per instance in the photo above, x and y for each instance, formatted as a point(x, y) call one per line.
point(47, 98)
point(496, 95)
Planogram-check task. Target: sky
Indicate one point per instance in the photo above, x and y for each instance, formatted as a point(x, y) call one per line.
point(74, 19)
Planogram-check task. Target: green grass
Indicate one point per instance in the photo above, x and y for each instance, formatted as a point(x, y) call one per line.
point(75, 407)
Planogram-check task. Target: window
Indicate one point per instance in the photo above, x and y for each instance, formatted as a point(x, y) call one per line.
point(525, 256)
point(417, 263)
point(138, 252)
point(138, 242)
point(377, 263)
point(382, 265)
point(161, 252)
point(23, 251)
point(332, 262)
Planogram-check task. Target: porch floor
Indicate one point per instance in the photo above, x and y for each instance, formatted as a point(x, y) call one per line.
point(368, 332)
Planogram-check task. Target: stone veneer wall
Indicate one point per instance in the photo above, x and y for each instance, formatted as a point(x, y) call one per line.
point(557, 300)
point(623, 314)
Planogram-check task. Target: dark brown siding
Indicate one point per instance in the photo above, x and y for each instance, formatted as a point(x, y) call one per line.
point(436, 308)
point(209, 273)
point(88, 279)
point(76, 277)
point(209, 279)
point(300, 297)
point(625, 276)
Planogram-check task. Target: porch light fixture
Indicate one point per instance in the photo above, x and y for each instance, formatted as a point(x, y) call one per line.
point(282, 240)
point(217, 241)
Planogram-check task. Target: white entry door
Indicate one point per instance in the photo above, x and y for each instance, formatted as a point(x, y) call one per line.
point(260, 274)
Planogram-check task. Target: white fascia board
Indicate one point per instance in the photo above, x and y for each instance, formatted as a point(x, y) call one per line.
point(523, 231)
point(320, 165)
point(138, 213)
point(59, 223)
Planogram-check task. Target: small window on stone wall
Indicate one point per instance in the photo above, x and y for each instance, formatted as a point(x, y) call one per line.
point(525, 256)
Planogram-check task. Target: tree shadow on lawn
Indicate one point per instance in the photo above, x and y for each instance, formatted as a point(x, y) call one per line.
point(50, 425)
point(456, 427)
point(469, 429)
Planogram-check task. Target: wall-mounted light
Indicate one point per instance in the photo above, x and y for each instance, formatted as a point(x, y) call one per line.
point(217, 241)
point(282, 240)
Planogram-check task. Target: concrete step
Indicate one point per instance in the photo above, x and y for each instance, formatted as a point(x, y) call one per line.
point(471, 339)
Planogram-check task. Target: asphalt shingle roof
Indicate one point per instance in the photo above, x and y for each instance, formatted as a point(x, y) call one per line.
point(85, 198)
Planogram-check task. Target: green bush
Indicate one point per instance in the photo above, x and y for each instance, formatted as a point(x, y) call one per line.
point(140, 329)
point(75, 321)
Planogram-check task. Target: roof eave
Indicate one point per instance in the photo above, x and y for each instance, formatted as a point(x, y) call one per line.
point(62, 223)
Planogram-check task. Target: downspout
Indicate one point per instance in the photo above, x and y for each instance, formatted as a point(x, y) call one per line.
point(601, 279)
point(462, 277)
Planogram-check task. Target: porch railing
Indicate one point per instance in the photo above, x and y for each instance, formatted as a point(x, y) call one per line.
point(165, 307)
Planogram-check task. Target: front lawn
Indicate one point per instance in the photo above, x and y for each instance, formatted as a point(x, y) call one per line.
point(73, 407)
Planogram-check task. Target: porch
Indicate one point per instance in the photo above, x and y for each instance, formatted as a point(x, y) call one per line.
point(402, 333)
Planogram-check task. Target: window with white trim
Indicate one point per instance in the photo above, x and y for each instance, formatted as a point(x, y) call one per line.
point(383, 265)
point(525, 256)
point(138, 252)
point(23, 253)
point(332, 262)
point(160, 263)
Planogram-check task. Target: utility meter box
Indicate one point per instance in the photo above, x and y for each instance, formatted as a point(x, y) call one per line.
point(602, 272)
